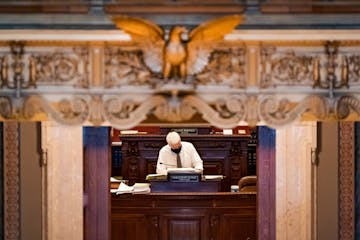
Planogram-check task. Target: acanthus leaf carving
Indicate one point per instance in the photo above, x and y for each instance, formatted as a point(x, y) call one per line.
point(226, 114)
point(126, 67)
point(287, 68)
point(125, 113)
point(226, 67)
point(69, 112)
point(276, 113)
point(63, 66)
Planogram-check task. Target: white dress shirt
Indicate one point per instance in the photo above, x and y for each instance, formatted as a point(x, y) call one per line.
point(188, 155)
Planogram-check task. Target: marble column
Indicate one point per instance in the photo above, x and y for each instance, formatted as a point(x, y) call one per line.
point(295, 181)
point(63, 181)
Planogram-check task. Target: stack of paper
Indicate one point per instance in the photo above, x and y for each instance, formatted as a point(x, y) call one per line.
point(141, 188)
point(123, 188)
point(136, 188)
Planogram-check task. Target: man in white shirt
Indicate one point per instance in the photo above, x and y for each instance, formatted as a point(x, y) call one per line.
point(177, 154)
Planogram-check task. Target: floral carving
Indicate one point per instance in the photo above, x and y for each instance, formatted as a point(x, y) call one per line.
point(126, 67)
point(226, 68)
point(354, 68)
point(62, 67)
point(285, 68)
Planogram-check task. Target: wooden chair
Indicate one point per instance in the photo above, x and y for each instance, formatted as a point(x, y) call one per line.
point(247, 184)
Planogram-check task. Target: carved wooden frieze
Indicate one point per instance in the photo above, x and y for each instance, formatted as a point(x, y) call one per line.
point(291, 66)
point(126, 67)
point(64, 66)
point(226, 68)
point(124, 82)
point(30, 66)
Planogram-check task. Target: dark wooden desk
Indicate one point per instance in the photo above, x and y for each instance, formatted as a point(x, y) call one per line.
point(179, 216)
point(221, 154)
point(202, 186)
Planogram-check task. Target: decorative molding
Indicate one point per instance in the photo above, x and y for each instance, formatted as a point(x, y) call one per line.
point(75, 83)
point(346, 181)
point(60, 66)
point(226, 68)
point(225, 112)
point(287, 67)
point(11, 181)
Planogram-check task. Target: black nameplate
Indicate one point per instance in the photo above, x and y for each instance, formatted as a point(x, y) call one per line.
point(184, 177)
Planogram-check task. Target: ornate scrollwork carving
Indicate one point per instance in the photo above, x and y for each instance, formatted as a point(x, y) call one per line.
point(224, 113)
point(292, 69)
point(226, 68)
point(282, 112)
point(175, 109)
point(6, 108)
point(69, 112)
point(353, 67)
point(126, 67)
point(16, 70)
point(288, 68)
point(127, 113)
point(344, 105)
point(332, 77)
point(62, 67)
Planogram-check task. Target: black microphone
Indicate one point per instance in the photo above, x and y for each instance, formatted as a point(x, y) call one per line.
point(170, 165)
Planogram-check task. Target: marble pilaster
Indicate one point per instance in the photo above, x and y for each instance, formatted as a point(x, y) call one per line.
point(64, 181)
point(294, 181)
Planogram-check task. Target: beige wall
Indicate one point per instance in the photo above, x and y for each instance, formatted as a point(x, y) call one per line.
point(30, 181)
point(327, 179)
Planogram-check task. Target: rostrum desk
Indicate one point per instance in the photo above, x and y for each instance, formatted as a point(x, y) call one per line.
point(183, 216)
point(196, 214)
point(221, 155)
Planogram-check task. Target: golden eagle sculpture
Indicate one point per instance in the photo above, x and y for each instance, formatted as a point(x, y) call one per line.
point(176, 55)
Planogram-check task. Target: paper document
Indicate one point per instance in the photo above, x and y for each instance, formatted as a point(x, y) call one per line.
point(213, 177)
point(123, 188)
point(112, 179)
point(136, 188)
point(141, 188)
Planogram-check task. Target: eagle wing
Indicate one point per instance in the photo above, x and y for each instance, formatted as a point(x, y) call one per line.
point(148, 35)
point(203, 38)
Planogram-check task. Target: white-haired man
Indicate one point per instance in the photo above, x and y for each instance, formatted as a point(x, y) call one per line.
point(178, 154)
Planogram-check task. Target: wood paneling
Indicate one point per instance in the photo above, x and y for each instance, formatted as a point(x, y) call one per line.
point(175, 216)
